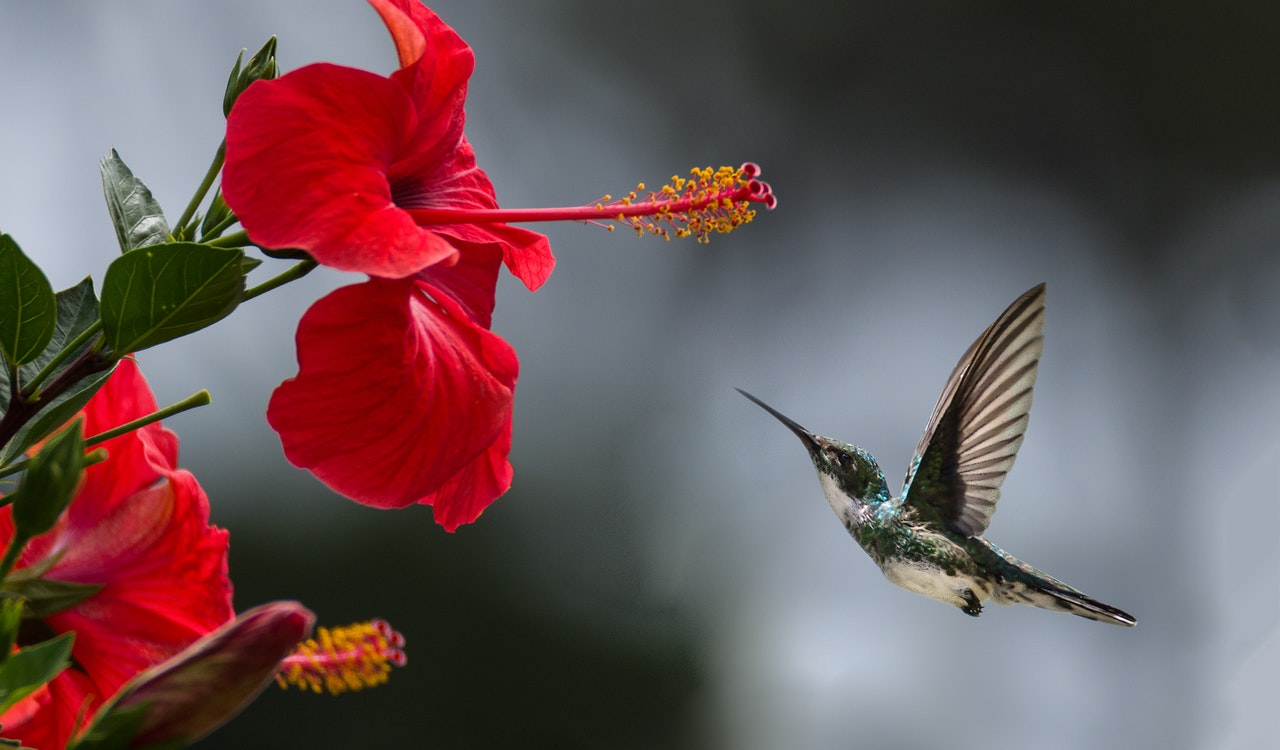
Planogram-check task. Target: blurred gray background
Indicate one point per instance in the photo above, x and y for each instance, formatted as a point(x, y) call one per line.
point(664, 572)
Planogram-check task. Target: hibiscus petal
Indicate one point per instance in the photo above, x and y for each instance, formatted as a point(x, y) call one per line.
point(527, 255)
point(47, 717)
point(306, 167)
point(396, 393)
point(409, 38)
point(465, 496)
point(435, 62)
point(471, 282)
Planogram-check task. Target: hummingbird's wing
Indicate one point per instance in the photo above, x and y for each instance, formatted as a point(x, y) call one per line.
point(978, 423)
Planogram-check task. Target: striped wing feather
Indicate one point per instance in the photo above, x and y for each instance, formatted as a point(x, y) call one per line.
point(977, 426)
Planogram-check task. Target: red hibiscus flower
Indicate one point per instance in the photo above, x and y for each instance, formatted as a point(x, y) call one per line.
point(139, 527)
point(403, 395)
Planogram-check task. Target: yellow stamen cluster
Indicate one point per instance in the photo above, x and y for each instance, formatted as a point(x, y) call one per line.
point(341, 659)
point(708, 201)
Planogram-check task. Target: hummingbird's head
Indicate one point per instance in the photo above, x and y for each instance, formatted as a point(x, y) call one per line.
point(849, 475)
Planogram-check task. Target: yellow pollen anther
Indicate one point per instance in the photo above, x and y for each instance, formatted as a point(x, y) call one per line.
point(341, 659)
point(708, 201)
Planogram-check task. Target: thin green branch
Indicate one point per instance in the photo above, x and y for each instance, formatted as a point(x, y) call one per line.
point(197, 399)
point(16, 544)
point(200, 398)
point(214, 169)
point(60, 357)
point(238, 239)
point(293, 274)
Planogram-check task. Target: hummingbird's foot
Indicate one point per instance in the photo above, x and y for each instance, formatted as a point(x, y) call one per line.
point(973, 607)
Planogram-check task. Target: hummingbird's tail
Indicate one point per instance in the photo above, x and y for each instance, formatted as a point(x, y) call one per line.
point(1024, 584)
point(1064, 599)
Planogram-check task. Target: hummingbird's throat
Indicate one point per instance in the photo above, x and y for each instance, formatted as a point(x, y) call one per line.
point(850, 511)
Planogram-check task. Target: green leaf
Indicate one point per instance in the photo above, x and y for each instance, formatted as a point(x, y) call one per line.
point(11, 609)
point(50, 482)
point(28, 311)
point(135, 213)
point(32, 667)
point(45, 596)
point(159, 293)
point(56, 414)
point(77, 312)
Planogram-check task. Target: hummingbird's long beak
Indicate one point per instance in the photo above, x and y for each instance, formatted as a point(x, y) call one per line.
point(806, 437)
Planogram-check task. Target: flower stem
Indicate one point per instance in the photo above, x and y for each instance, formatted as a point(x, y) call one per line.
point(16, 545)
point(205, 184)
point(197, 399)
point(293, 274)
point(239, 239)
point(221, 227)
point(60, 357)
point(200, 398)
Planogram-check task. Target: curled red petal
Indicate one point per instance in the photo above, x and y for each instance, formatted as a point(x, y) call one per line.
point(396, 393)
point(408, 36)
point(435, 62)
point(307, 166)
point(527, 255)
point(465, 496)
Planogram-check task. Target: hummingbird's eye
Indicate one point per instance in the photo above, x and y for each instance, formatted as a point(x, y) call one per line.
point(845, 459)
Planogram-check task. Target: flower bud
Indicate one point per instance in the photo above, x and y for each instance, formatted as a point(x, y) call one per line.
point(183, 699)
point(50, 481)
point(262, 66)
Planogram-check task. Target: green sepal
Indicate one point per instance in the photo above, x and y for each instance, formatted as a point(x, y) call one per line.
point(50, 482)
point(45, 596)
point(135, 213)
point(11, 610)
point(25, 671)
point(77, 311)
point(116, 730)
point(218, 213)
point(248, 264)
point(262, 66)
point(162, 292)
point(287, 253)
point(28, 310)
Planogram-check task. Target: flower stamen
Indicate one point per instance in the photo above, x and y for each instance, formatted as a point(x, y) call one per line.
point(341, 659)
point(709, 201)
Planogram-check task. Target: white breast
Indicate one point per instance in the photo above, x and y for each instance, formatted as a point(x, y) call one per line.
point(933, 581)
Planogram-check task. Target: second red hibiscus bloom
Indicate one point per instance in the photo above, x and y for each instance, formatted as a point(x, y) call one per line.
point(139, 528)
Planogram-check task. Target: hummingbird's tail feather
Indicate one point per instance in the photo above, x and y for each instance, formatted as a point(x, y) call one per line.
point(1023, 584)
point(1060, 599)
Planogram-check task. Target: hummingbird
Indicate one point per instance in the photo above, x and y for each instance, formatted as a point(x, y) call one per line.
point(929, 539)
